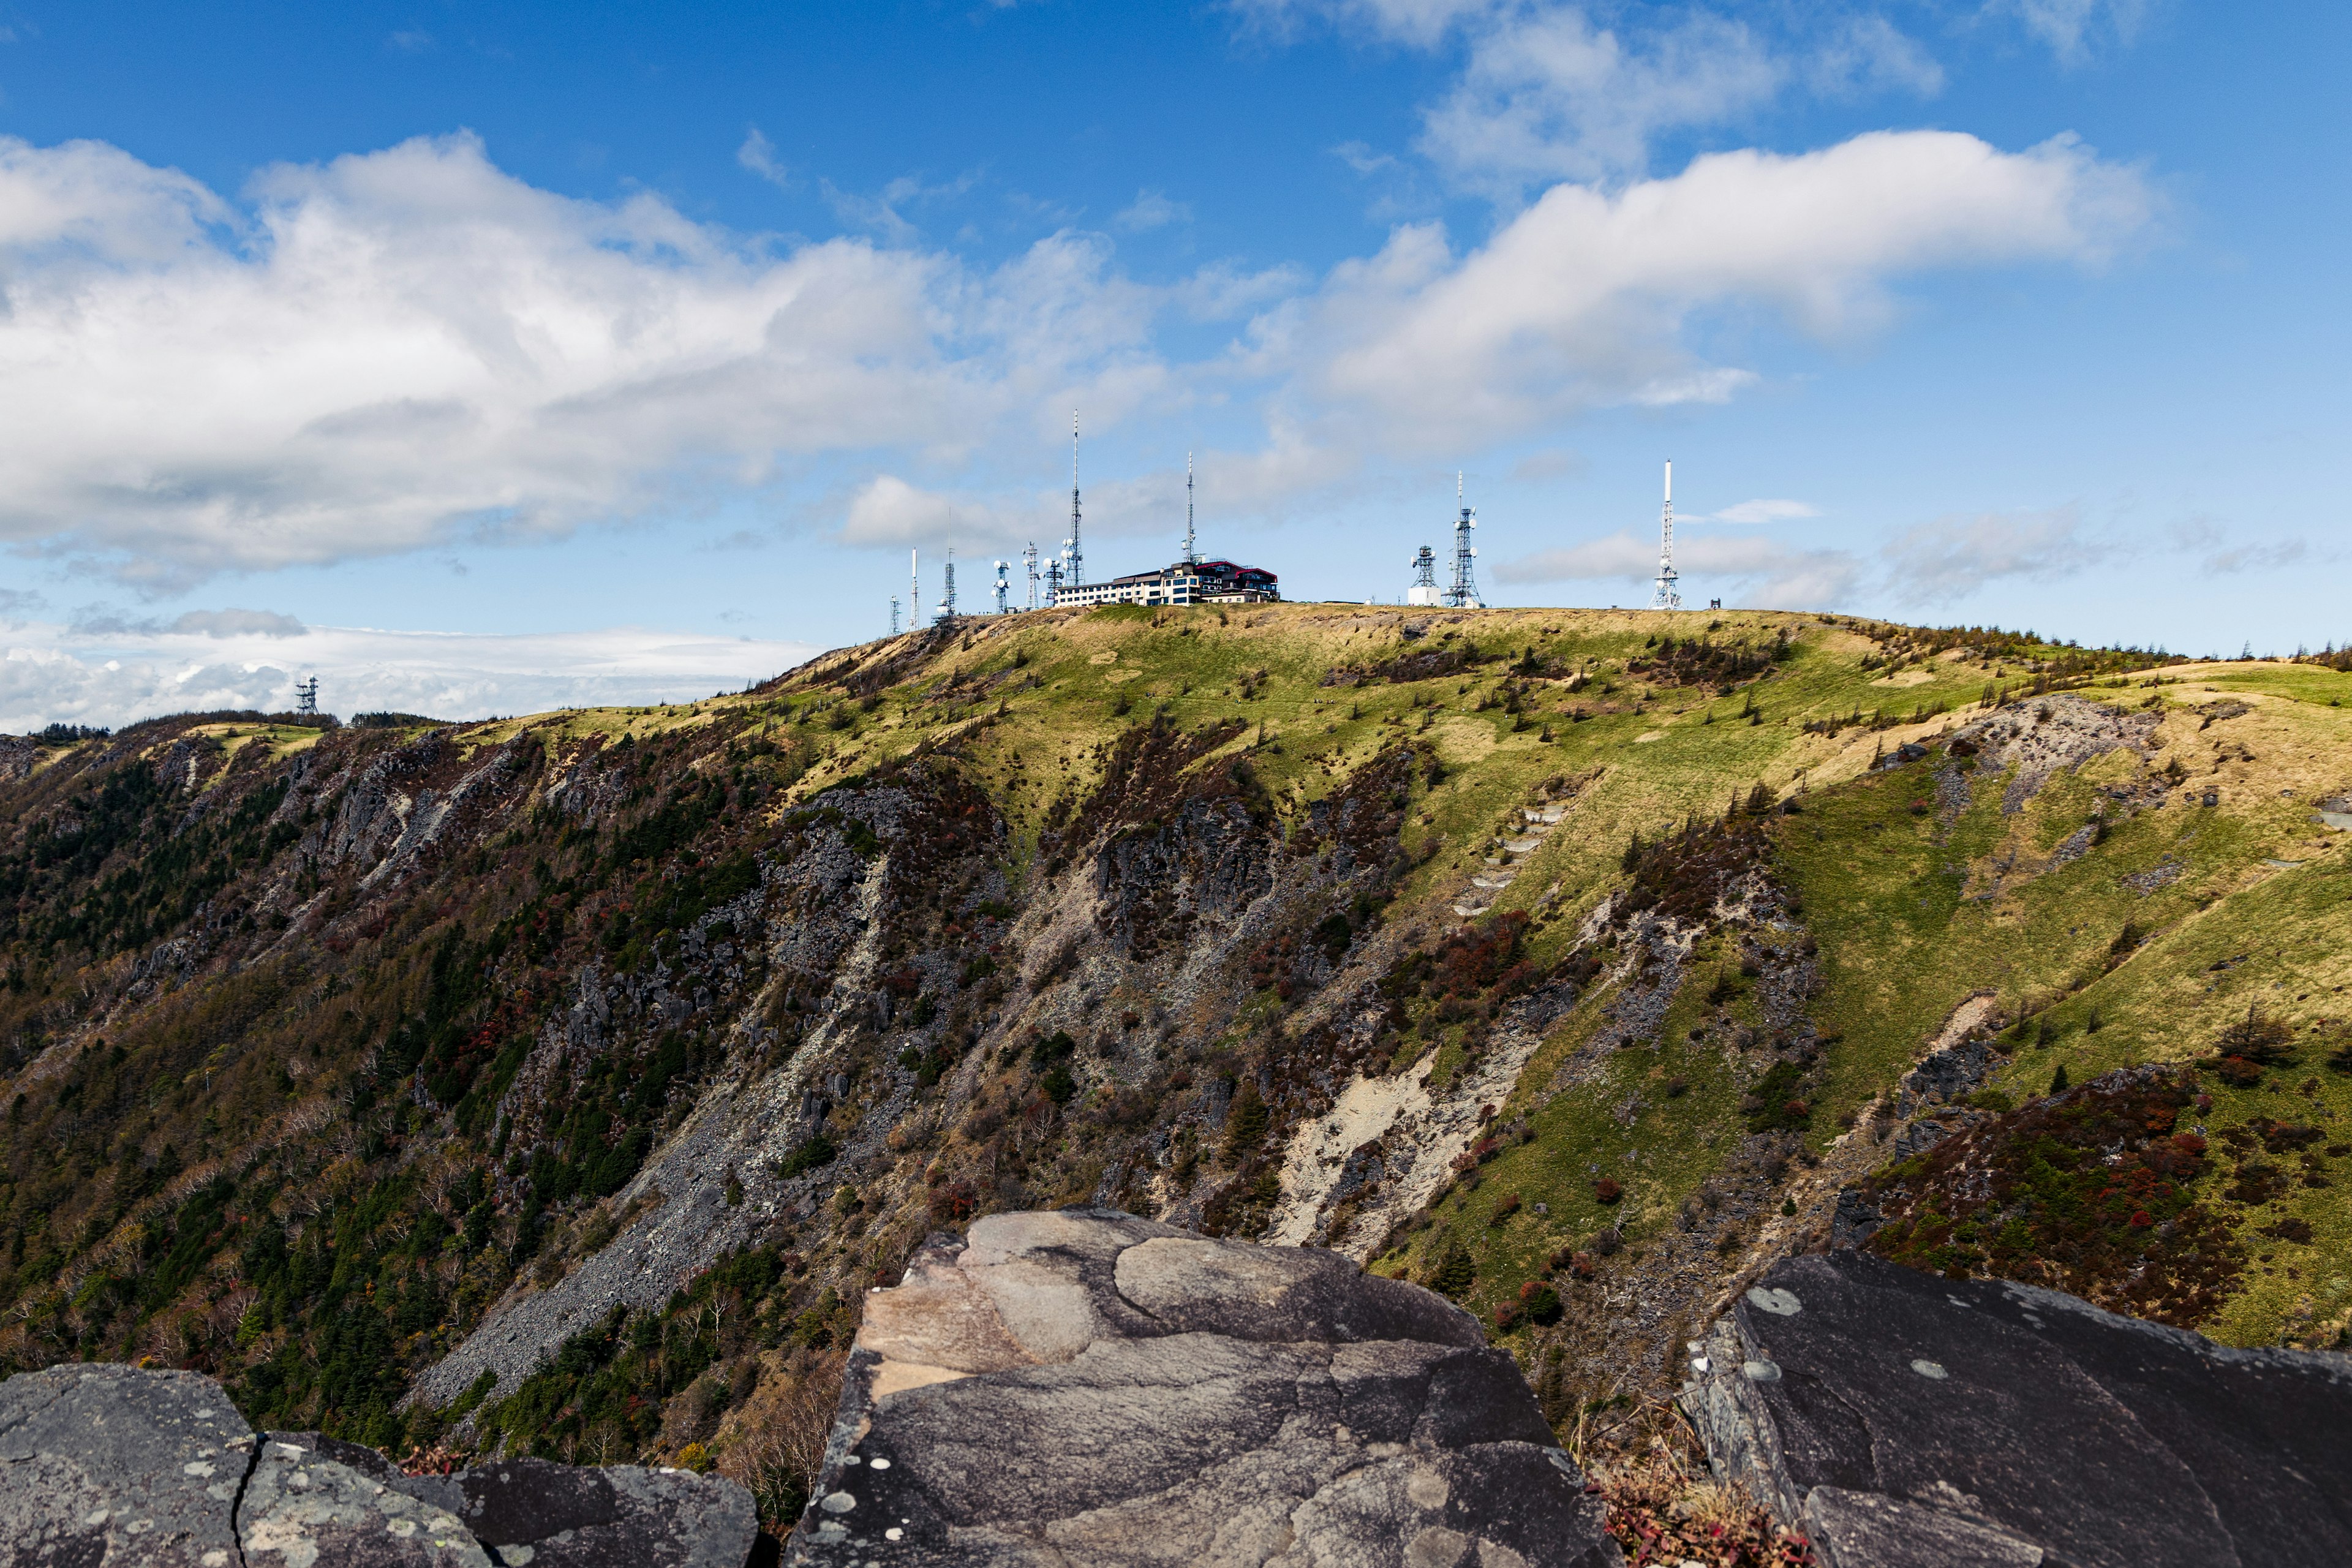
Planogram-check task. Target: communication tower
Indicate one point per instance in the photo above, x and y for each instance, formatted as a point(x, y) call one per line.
point(914, 592)
point(306, 696)
point(1666, 598)
point(1073, 556)
point(1424, 579)
point(946, 616)
point(1464, 595)
point(1029, 563)
point(1054, 582)
point(894, 615)
point(1003, 585)
point(1192, 556)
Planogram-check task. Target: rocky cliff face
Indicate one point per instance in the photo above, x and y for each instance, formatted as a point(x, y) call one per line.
point(1085, 1386)
point(563, 1085)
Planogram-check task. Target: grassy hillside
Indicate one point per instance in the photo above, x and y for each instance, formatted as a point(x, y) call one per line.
point(1570, 960)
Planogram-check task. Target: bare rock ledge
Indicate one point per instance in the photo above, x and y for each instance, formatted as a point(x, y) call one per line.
point(1084, 1389)
point(104, 1465)
point(1901, 1420)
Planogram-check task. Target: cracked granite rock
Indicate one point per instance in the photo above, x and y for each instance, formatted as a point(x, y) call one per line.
point(1084, 1387)
point(105, 1466)
point(302, 1508)
point(1902, 1420)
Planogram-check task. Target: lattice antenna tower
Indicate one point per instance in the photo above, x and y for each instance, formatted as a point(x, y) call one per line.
point(1003, 585)
point(946, 594)
point(306, 696)
point(1029, 563)
point(1192, 556)
point(1463, 594)
point(1667, 597)
point(1424, 568)
point(894, 615)
point(914, 592)
point(1074, 554)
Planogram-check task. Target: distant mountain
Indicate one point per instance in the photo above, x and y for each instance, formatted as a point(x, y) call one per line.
point(564, 1082)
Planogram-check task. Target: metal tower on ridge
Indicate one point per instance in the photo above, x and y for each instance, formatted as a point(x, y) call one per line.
point(306, 696)
point(1463, 594)
point(894, 615)
point(1003, 585)
point(947, 595)
point(1029, 561)
point(1192, 556)
point(1666, 598)
point(1073, 556)
point(914, 592)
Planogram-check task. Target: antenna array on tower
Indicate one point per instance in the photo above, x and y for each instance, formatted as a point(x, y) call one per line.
point(1073, 556)
point(1463, 594)
point(1667, 597)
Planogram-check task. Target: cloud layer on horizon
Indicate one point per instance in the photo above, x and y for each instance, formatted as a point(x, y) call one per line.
point(112, 676)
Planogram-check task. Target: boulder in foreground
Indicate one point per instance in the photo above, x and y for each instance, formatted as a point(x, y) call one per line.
point(1085, 1386)
point(103, 1465)
point(1902, 1420)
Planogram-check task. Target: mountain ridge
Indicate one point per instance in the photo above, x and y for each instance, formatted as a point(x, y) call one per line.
point(565, 1081)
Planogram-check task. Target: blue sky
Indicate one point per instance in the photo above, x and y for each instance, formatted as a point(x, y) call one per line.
point(485, 357)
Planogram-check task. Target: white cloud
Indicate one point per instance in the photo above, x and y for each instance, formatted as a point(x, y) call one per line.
point(1579, 301)
point(1547, 96)
point(394, 352)
point(1420, 22)
point(1754, 573)
point(51, 674)
point(1151, 210)
point(393, 349)
point(759, 155)
point(1952, 557)
point(1866, 55)
point(1756, 511)
point(2074, 29)
point(1554, 92)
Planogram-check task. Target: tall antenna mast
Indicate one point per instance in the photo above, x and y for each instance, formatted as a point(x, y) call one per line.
point(894, 615)
point(1074, 554)
point(946, 594)
point(1666, 598)
point(1191, 556)
point(306, 696)
point(1003, 585)
point(1029, 560)
point(1463, 594)
point(914, 593)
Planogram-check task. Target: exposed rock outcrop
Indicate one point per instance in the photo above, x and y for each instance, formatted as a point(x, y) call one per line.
point(1087, 1387)
point(103, 1465)
point(1905, 1421)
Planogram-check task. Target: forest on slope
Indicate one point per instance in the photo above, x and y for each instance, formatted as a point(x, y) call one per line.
point(562, 1082)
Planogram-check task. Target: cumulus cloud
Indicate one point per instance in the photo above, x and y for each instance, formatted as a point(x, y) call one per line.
point(392, 350)
point(397, 350)
point(53, 674)
point(1579, 301)
point(1757, 573)
point(1952, 557)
